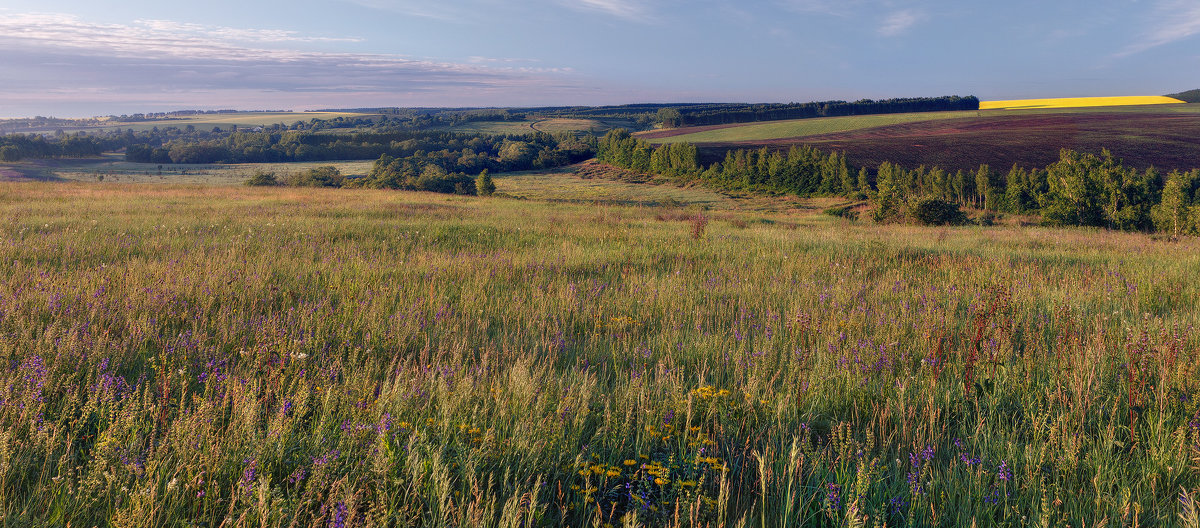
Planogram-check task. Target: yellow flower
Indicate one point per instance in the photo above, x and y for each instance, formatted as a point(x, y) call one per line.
point(630, 462)
point(661, 481)
point(584, 472)
point(613, 473)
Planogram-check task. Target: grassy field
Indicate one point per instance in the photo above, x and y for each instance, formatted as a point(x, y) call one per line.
point(551, 126)
point(114, 169)
point(204, 356)
point(567, 185)
point(792, 128)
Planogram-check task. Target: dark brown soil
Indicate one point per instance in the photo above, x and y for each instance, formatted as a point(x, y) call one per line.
point(1165, 141)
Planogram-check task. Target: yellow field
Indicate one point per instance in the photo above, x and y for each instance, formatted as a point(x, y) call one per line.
point(1076, 102)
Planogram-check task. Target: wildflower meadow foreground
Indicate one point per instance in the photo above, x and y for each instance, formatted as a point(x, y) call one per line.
point(206, 356)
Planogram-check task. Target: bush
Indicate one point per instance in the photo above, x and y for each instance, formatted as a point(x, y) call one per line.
point(323, 176)
point(435, 179)
point(10, 153)
point(484, 184)
point(262, 179)
point(935, 211)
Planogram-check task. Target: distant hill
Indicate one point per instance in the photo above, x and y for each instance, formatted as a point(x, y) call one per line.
point(1190, 96)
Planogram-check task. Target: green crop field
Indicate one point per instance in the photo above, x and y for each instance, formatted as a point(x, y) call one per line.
point(550, 126)
point(800, 127)
point(223, 121)
point(221, 355)
point(774, 130)
point(114, 169)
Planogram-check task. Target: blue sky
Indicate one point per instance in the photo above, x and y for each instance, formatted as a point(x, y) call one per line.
point(82, 58)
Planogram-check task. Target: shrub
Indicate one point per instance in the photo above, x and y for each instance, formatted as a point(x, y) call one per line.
point(10, 153)
point(262, 179)
point(323, 176)
point(935, 211)
point(484, 184)
point(435, 179)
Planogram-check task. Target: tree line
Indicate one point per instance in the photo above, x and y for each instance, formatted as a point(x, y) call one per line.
point(700, 114)
point(1080, 189)
point(452, 151)
point(727, 114)
point(802, 170)
point(462, 166)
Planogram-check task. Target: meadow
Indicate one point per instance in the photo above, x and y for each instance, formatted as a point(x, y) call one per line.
point(227, 356)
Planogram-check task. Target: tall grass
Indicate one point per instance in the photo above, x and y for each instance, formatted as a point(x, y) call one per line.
point(196, 356)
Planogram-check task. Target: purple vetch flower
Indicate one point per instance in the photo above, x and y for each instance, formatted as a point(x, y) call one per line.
point(338, 520)
point(249, 474)
point(298, 475)
point(326, 458)
point(1003, 472)
point(833, 496)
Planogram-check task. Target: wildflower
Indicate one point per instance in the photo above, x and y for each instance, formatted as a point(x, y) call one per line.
point(629, 462)
point(833, 497)
point(339, 516)
point(1003, 472)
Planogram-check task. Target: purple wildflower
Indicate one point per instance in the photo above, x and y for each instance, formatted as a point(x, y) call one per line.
point(1003, 472)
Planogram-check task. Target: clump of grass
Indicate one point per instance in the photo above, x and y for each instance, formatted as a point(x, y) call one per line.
point(699, 223)
point(843, 211)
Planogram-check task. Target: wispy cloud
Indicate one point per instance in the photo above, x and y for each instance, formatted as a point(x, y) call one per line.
point(628, 9)
point(899, 22)
point(443, 11)
point(824, 7)
point(472, 11)
point(236, 34)
point(1172, 21)
point(54, 57)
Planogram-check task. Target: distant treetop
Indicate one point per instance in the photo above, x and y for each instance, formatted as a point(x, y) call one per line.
point(1190, 96)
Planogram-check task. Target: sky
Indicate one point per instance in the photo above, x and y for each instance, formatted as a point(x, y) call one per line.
point(79, 58)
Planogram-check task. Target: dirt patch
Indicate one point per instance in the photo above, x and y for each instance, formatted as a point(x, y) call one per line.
point(1165, 141)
